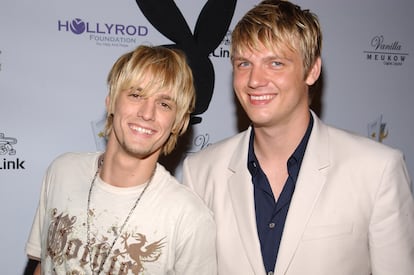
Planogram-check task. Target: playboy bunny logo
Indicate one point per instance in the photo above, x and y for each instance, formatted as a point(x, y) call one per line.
point(211, 27)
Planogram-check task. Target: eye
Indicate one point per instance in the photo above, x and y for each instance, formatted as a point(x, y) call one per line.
point(243, 64)
point(276, 63)
point(240, 63)
point(135, 94)
point(167, 105)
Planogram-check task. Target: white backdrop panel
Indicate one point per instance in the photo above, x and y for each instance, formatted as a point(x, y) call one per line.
point(52, 85)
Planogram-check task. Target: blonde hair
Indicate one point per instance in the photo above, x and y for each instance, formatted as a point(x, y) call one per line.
point(274, 22)
point(166, 69)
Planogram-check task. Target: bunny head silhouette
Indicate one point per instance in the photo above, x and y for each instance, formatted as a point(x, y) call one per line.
point(211, 27)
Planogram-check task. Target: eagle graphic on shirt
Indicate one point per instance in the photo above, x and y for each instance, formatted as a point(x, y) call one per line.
point(64, 247)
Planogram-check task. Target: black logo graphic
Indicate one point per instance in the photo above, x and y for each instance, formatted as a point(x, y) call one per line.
point(7, 149)
point(388, 53)
point(6, 145)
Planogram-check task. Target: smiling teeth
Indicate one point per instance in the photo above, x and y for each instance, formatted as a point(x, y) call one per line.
point(261, 97)
point(142, 130)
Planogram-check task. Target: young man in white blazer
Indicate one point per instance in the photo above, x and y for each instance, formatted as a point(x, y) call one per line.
point(290, 194)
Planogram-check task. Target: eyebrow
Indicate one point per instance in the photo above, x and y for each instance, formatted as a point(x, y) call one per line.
point(161, 95)
point(166, 97)
point(265, 58)
point(238, 57)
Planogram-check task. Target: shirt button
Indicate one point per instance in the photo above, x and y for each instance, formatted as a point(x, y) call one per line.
point(271, 226)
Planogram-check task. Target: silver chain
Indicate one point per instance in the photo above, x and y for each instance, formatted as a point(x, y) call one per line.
point(88, 220)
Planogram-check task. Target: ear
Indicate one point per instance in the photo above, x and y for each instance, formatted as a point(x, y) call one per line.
point(107, 103)
point(314, 72)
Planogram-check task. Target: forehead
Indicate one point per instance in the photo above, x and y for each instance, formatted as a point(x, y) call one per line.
point(260, 51)
point(149, 84)
point(271, 41)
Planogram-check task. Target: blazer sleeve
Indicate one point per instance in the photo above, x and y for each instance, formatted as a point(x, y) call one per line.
point(391, 229)
point(187, 180)
point(189, 177)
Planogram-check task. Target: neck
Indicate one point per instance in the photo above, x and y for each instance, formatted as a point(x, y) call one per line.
point(122, 171)
point(281, 140)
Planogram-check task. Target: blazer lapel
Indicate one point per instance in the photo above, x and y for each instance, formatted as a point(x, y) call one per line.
point(242, 198)
point(308, 187)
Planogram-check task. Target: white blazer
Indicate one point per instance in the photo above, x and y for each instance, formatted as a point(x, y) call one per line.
point(352, 211)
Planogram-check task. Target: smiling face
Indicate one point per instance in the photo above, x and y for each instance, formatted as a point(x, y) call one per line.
point(276, 49)
point(142, 122)
point(149, 72)
point(271, 84)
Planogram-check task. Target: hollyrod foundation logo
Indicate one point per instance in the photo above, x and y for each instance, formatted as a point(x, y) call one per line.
point(386, 52)
point(104, 34)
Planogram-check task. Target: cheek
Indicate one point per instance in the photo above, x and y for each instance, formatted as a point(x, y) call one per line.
point(288, 81)
point(122, 110)
point(238, 95)
point(238, 79)
point(170, 121)
point(116, 122)
point(120, 114)
point(238, 84)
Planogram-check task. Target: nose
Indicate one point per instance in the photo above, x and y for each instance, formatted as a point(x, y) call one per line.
point(257, 77)
point(146, 109)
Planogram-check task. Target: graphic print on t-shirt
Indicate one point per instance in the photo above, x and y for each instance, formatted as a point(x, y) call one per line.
point(127, 257)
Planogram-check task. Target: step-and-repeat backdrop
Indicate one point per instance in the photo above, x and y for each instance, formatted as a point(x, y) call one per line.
point(55, 56)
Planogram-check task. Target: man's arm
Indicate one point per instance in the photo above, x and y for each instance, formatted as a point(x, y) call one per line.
point(31, 266)
point(196, 245)
point(37, 271)
point(391, 234)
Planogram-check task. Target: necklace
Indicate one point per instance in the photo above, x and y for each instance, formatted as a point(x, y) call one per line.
point(88, 220)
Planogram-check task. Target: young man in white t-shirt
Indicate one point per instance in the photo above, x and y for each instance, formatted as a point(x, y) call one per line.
point(120, 211)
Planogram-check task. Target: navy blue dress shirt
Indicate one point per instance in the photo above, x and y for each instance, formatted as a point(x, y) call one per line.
point(271, 214)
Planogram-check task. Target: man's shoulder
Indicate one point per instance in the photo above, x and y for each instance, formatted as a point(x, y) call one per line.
point(344, 144)
point(77, 156)
point(70, 160)
point(353, 141)
point(171, 191)
point(223, 147)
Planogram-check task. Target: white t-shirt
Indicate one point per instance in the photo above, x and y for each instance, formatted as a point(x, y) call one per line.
point(170, 231)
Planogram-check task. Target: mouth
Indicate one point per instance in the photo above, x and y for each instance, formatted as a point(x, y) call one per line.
point(261, 99)
point(141, 130)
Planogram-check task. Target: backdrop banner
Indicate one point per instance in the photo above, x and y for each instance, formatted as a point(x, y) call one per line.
point(55, 57)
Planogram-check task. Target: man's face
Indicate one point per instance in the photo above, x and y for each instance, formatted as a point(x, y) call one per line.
point(142, 125)
point(271, 85)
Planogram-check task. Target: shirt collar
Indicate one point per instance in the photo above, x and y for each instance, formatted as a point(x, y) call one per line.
point(296, 157)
